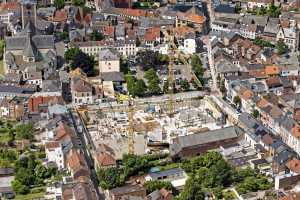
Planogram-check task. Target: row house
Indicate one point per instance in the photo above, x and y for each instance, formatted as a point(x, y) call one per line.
point(290, 36)
point(12, 108)
point(125, 47)
point(82, 91)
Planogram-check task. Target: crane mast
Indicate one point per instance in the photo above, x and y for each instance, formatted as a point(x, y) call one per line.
point(130, 126)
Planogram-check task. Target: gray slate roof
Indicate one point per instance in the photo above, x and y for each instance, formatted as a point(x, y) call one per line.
point(39, 41)
point(205, 137)
point(113, 76)
point(108, 54)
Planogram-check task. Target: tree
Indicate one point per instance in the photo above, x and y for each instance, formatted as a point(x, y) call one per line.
point(124, 66)
point(24, 131)
point(63, 35)
point(78, 2)
point(237, 101)
point(192, 191)
point(110, 178)
point(255, 113)
point(2, 44)
point(96, 36)
point(19, 188)
point(281, 47)
point(140, 88)
point(157, 185)
point(77, 58)
point(153, 81)
point(184, 84)
point(197, 67)
point(71, 53)
point(135, 87)
point(59, 4)
point(273, 11)
point(84, 62)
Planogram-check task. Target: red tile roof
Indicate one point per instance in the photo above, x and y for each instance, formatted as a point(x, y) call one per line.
point(294, 165)
point(105, 159)
point(52, 145)
point(152, 34)
point(9, 6)
point(63, 131)
point(60, 16)
point(132, 12)
point(76, 160)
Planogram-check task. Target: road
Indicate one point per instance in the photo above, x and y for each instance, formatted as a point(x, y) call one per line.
point(86, 151)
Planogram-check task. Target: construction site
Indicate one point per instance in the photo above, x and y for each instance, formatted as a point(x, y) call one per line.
point(139, 126)
point(141, 129)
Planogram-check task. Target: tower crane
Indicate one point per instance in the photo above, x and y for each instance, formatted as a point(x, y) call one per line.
point(171, 108)
point(130, 133)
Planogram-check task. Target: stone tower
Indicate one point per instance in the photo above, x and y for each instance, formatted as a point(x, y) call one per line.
point(28, 10)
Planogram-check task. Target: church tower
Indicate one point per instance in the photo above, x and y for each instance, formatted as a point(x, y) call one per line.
point(28, 10)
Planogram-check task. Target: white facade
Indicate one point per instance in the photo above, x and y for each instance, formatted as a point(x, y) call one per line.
point(4, 111)
point(37, 82)
point(189, 46)
point(82, 99)
point(125, 49)
point(109, 66)
point(5, 17)
point(255, 4)
point(55, 154)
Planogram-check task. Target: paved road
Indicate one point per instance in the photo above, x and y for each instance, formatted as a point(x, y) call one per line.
point(87, 153)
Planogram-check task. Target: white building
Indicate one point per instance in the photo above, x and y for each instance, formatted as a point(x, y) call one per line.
point(289, 36)
point(176, 176)
point(109, 61)
point(189, 46)
point(55, 154)
point(125, 47)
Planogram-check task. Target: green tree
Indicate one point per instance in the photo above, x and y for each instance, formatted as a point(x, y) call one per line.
point(63, 35)
point(76, 58)
point(78, 2)
point(153, 81)
point(184, 84)
point(273, 11)
point(71, 53)
point(237, 101)
point(140, 88)
point(192, 191)
point(19, 188)
point(255, 113)
point(124, 66)
point(157, 185)
point(96, 36)
point(24, 131)
point(2, 45)
point(110, 178)
point(281, 47)
point(59, 4)
point(197, 67)
point(135, 87)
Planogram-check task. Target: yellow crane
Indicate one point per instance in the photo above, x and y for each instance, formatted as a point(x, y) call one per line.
point(171, 108)
point(169, 34)
point(130, 133)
